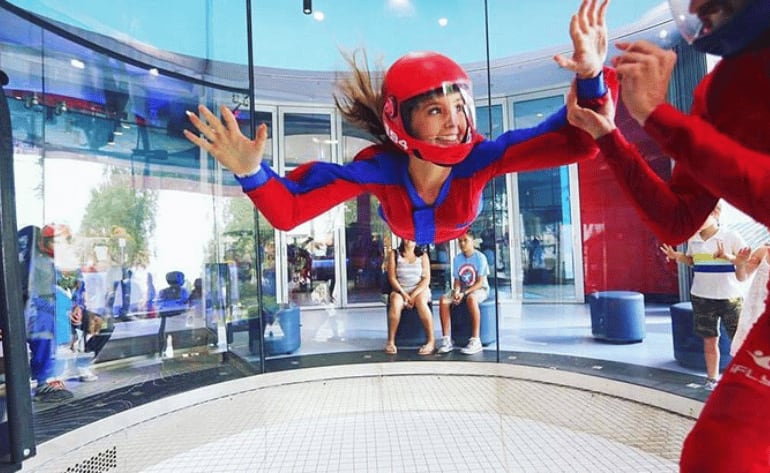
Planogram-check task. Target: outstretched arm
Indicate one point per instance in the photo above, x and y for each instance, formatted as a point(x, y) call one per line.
point(721, 164)
point(304, 193)
point(538, 148)
point(553, 142)
point(673, 210)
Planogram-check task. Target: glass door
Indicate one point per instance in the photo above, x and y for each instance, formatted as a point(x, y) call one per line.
point(367, 237)
point(549, 238)
point(310, 249)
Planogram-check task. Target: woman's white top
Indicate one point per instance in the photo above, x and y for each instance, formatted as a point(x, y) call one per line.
point(408, 274)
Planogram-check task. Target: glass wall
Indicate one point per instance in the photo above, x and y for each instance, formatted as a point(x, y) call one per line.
point(546, 218)
point(151, 241)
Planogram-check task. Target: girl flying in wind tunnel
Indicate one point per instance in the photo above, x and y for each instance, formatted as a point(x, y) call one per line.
point(430, 164)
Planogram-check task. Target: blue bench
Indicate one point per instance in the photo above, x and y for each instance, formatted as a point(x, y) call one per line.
point(688, 347)
point(617, 316)
point(410, 331)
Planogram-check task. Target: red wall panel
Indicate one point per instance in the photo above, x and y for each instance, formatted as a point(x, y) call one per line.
point(619, 251)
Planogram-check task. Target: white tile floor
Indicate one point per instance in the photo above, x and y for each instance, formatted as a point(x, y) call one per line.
point(390, 417)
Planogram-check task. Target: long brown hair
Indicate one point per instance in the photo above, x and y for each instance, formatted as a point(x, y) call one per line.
point(359, 96)
point(418, 249)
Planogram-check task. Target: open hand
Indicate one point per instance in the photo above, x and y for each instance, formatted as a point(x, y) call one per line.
point(669, 251)
point(743, 256)
point(720, 251)
point(589, 38)
point(225, 142)
point(644, 71)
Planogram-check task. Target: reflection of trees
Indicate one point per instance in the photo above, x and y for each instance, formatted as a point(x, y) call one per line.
point(238, 232)
point(239, 225)
point(238, 243)
point(118, 210)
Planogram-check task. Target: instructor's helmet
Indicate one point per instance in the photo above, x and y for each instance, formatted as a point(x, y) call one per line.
point(414, 77)
point(721, 27)
point(51, 232)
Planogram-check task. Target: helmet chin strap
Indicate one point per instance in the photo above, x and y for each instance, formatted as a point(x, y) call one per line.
point(419, 155)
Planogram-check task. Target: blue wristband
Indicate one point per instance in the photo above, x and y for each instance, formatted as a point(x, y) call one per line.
point(593, 88)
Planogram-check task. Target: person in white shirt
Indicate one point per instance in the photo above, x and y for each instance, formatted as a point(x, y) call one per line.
point(716, 293)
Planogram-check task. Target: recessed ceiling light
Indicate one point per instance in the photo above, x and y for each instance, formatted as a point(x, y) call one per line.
point(78, 64)
point(154, 71)
point(442, 21)
point(319, 16)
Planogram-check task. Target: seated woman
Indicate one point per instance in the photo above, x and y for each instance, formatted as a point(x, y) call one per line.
point(409, 276)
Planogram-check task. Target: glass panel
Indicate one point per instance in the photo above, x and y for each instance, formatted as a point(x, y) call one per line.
point(308, 81)
point(99, 151)
point(219, 25)
point(440, 268)
point(546, 218)
point(366, 234)
point(312, 271)
point(231, 275)
point(492, 225)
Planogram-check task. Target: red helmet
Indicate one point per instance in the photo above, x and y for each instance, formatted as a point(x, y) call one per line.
point(410, 79)
point(55, 230)
point(48, 233)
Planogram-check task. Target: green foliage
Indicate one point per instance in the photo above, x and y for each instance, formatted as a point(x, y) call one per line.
point(118, 210)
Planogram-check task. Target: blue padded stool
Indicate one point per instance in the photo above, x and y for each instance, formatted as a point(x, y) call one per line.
point(688, 347)
point(617, 316)
point(277, 342)
point(461, 322)
point(288, 341)
point(410, 332)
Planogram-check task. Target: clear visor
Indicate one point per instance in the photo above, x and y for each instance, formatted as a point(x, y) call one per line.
point(440, 114)
point(689, 25)
point(710, 16)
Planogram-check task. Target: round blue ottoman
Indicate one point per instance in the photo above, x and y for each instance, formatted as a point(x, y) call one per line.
point(688, 347)
point(461, 323)
point(286, 337)
point(281, 330)
point(617, 316)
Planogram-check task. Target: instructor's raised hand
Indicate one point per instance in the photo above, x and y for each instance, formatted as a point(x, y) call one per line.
point(644, 71)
